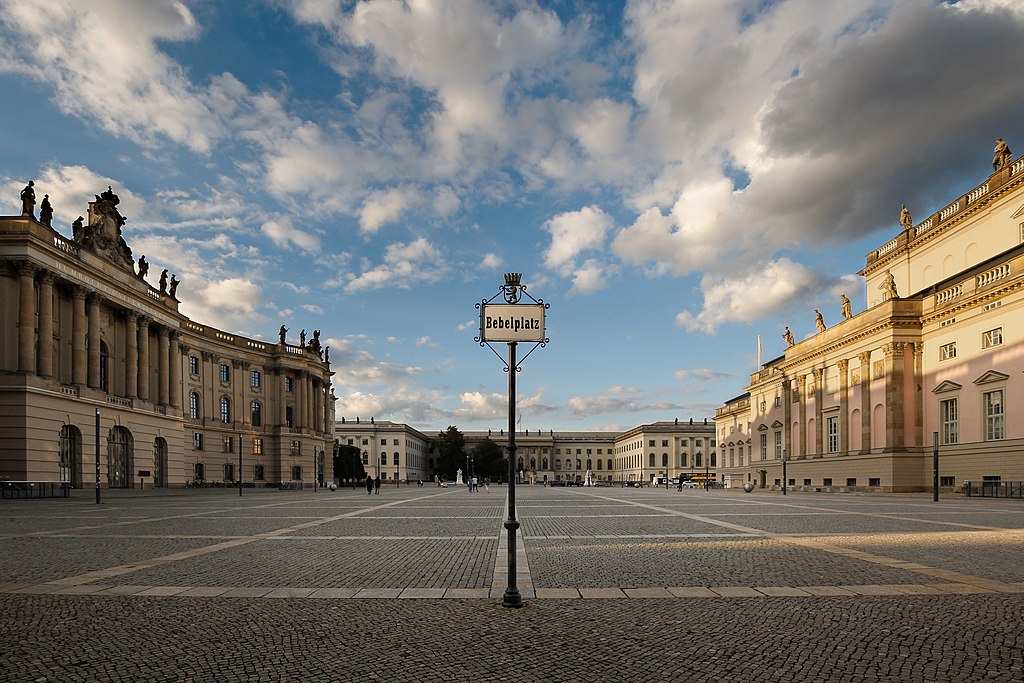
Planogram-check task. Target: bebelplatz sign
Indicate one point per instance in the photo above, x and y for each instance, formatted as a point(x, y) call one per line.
point(512, 323)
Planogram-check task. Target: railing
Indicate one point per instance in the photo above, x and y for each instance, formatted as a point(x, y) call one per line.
point(117, 401)
point(994, 489)
point(978, 191)
point(886, 248)
point(948, 295)
point(35, 489)
point(66, 246)
point(949, 210)
point(924, 226)
point(991, 276)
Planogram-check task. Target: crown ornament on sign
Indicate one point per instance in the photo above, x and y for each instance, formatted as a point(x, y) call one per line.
point(513, 279)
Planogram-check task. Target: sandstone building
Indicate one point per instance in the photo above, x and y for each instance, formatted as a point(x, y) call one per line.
point(86, 339)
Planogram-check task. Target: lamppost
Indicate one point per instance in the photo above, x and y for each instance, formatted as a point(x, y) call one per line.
point(783, 471)
point(512, 322)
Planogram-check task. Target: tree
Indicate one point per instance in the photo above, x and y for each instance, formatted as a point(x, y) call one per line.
point(490, 460)
point(451, 452)
point(348, 463)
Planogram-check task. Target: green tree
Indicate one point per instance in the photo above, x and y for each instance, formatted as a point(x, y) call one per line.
point(490, 460)
point(451, 452)
point(348, 463)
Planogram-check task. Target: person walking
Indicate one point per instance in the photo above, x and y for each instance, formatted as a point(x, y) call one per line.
point(376, 485)
point(369, 484)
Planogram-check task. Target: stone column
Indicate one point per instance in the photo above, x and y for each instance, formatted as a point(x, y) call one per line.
point(801, 387)
point(45, 352)
point(819, 426)
point(163, 378)
point(282, 404)
point(895, 429)
point(844, 405)
point(787, 416)
point(94, 340)
point(26, 317)
point(174, 392)
point(865, 401)
point(79, 363)
point(143, 347)
point(300, 400)
point(131, 362)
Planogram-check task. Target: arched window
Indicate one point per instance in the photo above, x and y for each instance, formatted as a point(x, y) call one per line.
point(256, 413)
point(193, 405)
point(664, 459)
point(558, 464)
point(288, 416)
point(599, 463)
point(590, 464)
point(395, 459)
point(579, 464)
point(70, 455)
point(225, 409)
point(383, 458)
point(545, 463)
point(609, 464)
point(650, 460)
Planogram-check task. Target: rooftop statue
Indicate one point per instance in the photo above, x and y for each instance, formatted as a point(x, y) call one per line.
point(889, 286)
point(819, 322)
point(174, 287)
point(163, 281)
point(78, 229)
point(788, 337)
point(847, 308)
point(143, 266)
point(906, 222)
point(1001, 155)
point(46, 211)
point(282, 332)
point(103, 234)
point(28, 200)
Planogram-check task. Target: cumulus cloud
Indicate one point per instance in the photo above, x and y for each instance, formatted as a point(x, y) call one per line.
point(404, 264)
point(574, 232)
point(283, 233)
point(385, 206)
point(762, 292)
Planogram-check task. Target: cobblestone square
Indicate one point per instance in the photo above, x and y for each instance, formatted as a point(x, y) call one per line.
point(617, 584)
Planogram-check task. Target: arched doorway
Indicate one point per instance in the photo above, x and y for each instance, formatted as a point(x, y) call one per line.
point(159, 461)
point(119, 458)
point(70, 456)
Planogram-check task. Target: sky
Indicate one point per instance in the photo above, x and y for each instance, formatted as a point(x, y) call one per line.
point(675, 179)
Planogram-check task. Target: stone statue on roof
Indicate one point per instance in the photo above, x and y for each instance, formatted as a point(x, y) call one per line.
point(819, 321)
point(28, 200)
point(906, 222)
point(46, 211)
point(1001, 155)
point(788, 337)
point(847, 308)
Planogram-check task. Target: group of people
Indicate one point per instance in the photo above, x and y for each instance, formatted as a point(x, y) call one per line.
point(372, 485)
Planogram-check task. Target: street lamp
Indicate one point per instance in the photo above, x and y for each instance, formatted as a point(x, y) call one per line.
point(783, 471)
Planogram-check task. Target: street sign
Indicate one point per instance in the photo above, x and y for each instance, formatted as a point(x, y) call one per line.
point(512, 323)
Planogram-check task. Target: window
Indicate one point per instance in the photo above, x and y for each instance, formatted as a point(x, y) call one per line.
point(764, 446)
point(225, 372)
point(256, 414)
point(383, 442)
point(947, 351)
point(664, 444)
point(949, 415)
point(229, 471)
point(778, 401)
point(877, 481)
point(193, 365)
point(104, 365)
point(992, 338)
point(229, 446)
point(255, 379)
point(740, 455)
point(698, 460)
point(225, 409)
point(807, 482)
point(994, 415)
point(289, 416)
point(650, 459)
point(366, 458)
point(394, 442)
point(193, 405)
point(943, 481)
point(257, 447)
point(778, 445)
point(258, 473)
point(199, 471)
point(197, 441)
point(664, 459)
point(287, 383)
point(395, 459)
point(609, 464)
point(651, 443)
point(832, 426)
point(827, 481)
point(296, 447)
point(297, 473)
point(851, 481)
point(383, 458)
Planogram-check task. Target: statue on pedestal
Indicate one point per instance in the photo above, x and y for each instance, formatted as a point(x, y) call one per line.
point(1001, 155)
point(28, 200)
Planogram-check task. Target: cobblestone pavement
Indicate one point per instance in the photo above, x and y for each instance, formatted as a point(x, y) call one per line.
point(617, 584)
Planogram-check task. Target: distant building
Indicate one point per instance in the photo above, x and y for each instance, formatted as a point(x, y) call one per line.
point(390, 450)
point(939, 350)
point(82, 334)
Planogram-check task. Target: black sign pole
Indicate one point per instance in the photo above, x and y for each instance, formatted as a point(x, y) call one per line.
point(97, 456)
point(512, 598)
point(239, 464)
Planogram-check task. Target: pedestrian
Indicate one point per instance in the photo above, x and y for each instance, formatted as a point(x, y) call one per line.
point(369, 484)
point(487, 484)
point(376, 485)
point(419, 483)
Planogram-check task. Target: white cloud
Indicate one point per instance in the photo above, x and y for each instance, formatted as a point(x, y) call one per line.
point(284, 234)
point(763, 292)
point(113, 72)
point(592, 276)
point(385, 206)
point(490, 261)
point(574, 232)
point(405, 264)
